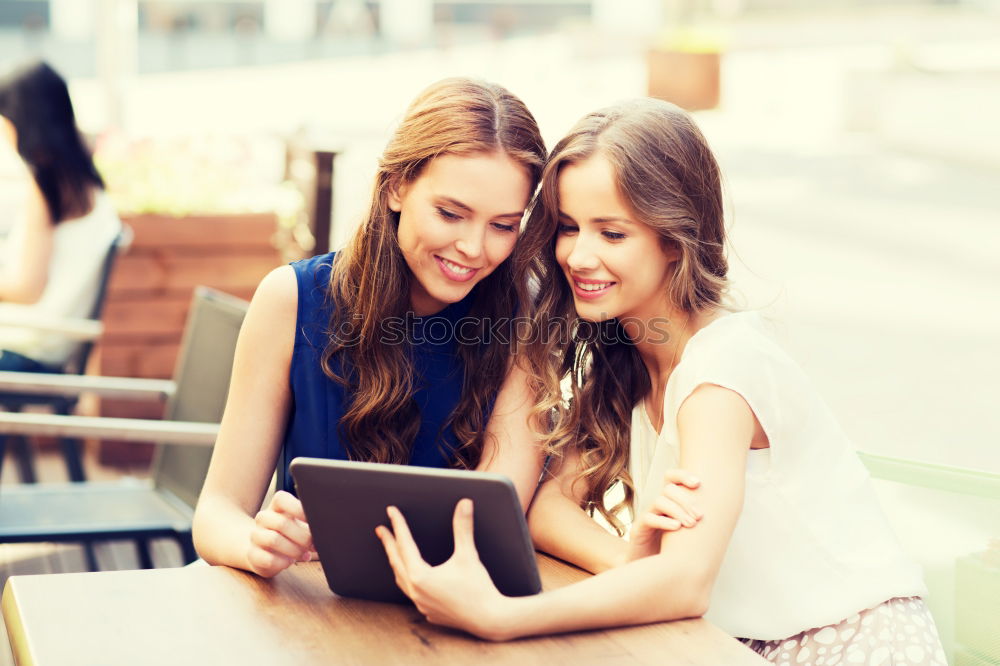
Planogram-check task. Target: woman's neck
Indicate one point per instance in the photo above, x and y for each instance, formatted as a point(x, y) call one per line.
point(660, 340)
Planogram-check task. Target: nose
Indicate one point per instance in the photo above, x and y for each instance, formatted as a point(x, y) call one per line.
point(582, 256)
point(471, 239)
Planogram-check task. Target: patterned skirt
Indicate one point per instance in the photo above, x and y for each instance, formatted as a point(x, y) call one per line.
point(897, 632)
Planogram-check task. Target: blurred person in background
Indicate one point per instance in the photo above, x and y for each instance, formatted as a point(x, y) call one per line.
point(337, 359)
point(60, 222)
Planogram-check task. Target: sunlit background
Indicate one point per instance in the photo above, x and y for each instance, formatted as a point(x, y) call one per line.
point(859, 140)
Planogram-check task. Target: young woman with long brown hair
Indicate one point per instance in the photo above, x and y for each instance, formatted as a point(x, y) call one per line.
point(389, 350)
point(791, 553)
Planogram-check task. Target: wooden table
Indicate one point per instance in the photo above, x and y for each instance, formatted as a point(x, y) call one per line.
point(218, 615)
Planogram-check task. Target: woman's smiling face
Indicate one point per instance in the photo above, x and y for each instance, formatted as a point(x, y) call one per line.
point(458, 221)
point(616, 266)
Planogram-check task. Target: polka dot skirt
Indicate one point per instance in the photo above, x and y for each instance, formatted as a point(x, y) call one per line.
point(897, 632)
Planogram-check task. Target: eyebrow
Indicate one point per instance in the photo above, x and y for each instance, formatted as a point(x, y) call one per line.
point(600, 220)
point(458, 204)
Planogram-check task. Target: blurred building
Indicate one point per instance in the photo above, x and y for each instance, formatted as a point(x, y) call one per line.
point(195, 34)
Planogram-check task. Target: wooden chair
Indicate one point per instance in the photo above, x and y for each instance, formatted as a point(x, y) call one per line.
point(84, 331)
point(89, 512)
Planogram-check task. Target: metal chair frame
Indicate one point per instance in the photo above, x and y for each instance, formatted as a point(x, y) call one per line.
point(87, 331)
point(89, 512)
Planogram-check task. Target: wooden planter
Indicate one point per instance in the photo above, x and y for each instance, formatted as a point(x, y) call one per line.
point(689, 80)
point(150, 292)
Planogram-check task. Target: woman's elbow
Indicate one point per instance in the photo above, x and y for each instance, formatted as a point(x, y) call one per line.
point(697, 603)
point(696, 592)
point(202, 531)
point(198, 532)
point(24, 293)
point(682, 605)
point(684, 596)
point(697, 595)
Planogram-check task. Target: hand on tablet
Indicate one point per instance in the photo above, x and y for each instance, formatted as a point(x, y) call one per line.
point(674, 508)
point(280, 536)
point(458, 593)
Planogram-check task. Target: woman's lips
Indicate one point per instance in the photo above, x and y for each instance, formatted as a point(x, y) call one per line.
point(590, 290)
point(455, 271)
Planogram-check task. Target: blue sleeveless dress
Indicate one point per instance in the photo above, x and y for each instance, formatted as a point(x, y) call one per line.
point(318, 402)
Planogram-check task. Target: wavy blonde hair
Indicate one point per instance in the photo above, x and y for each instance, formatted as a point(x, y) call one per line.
point(370, 280)
point(667, 175)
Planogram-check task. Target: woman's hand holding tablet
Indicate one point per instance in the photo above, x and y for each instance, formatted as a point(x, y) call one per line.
point(457, 593)
point(280, 536)
point(346, 501)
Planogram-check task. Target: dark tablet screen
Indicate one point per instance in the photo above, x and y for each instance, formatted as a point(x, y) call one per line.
point(345, 501)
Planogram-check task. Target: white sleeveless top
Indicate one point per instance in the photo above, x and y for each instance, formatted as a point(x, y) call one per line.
point(79, 248)
point(811, 546)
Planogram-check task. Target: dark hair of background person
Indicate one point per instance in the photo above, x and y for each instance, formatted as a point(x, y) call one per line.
point(35, 99)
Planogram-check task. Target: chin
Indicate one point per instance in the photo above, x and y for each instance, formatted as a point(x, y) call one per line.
point(593, 314)
point(451, 297)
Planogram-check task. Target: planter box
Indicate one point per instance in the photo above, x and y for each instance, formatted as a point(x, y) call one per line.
point(150, 292)
point(689, 80)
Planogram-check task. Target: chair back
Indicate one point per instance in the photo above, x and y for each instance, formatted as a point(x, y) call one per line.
point(202, 373)
point(77, 363)
point(948, 520)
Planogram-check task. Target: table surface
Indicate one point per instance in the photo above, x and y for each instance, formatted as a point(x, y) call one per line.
point(218, 615)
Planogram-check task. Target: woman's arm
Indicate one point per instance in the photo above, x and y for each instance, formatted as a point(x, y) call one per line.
point(24, 279)
point(228, 528)
point(560, 527)
point(716, 427)
point(511, 443)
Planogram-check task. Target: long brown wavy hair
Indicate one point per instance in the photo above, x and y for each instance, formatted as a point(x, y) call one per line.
point(370, 281)
point(667, 174)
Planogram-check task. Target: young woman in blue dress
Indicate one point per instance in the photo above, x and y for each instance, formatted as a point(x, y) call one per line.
point(783, 544)
point(388, 351)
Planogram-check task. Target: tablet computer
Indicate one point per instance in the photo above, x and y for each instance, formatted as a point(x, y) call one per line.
point(345, 501)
